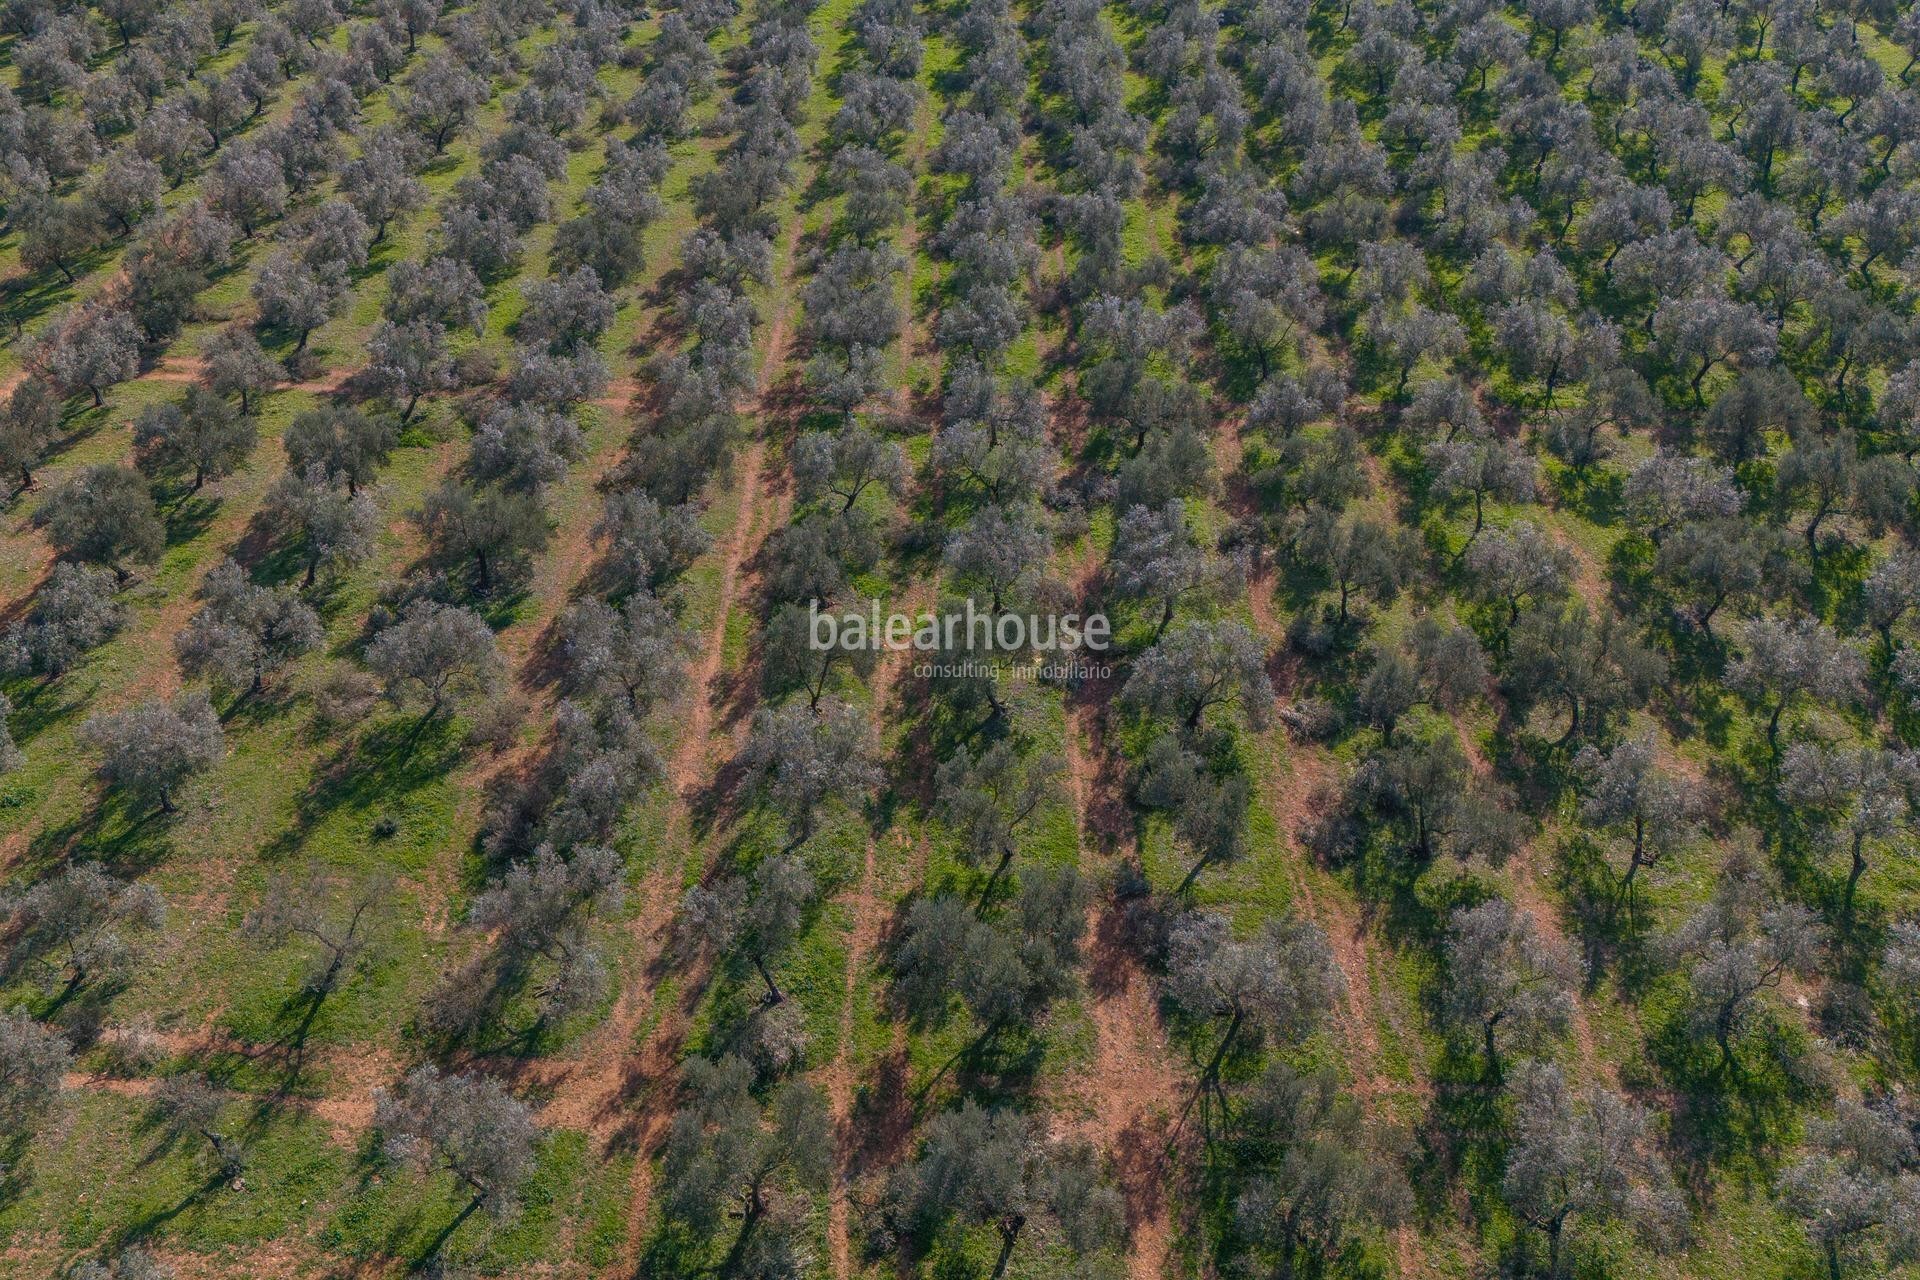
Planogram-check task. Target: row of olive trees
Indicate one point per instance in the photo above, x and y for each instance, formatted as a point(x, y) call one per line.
point(753, 1146)
point(1716, 534)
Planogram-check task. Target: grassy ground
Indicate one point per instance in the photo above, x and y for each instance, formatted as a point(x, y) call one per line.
point(365, 799)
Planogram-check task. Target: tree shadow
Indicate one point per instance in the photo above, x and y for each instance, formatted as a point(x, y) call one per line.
point(377, 770)
point(125, 839)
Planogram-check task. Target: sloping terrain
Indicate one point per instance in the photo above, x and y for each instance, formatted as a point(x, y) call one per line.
point(434, 836)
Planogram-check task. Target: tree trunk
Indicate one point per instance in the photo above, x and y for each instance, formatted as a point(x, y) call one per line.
point(773, 992)
point(986, 890)
point(1626, 886)
point(1220, 1050)
point(1813, 530)
point(1853, 880)
point(1009, 1234)
point(1573, 719)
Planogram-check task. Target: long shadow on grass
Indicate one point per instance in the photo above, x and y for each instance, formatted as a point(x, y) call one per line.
point(125, 839)
point(39, 705)
point(1723, 1113)
point(189, 517)
point(149, 1225)
point(392, 761)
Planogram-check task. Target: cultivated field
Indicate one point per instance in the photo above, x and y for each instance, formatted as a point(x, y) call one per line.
point(433, 837)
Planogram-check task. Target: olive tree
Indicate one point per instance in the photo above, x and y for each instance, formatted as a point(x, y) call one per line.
point(337, 933)
point(1328, 1180)
point(846, 463)
point(993, 437)
point(1587, 1161)
point(999, 551)
point(726, 1157)
point(761, 914)
point(104, 515)
point(798, 758)
point(380, 181)
point(244, 631)
point(343, 442)
point(1425, 792)
point(1209, 807)
point(1442, 666)
point(29, 425)
point(991, 1167)
point(329, 528)
point(1592, 667)
point(442, 290)
point(1198, 666)
point(647, 543)
point(76, 922)
point(73, 613)
point(1666, 490)
point(1828, 477)
point(406, 362)
point(468, 1125)
point(1157, 560)
point(1519, 566)
point(295, 298)
point(151, 750)
point(566, 313)
point(1357, 556)
point(931, 956)
point(1786, 660)
point(1736, 948)
point(493, 528)
point(1856, 1190)
point(1627, 792)
point(190, 1105)
point(1508, 984)
point(440, 97)
point(637, 652)
point(434, 653)
point(1016, 965)
point(238, 366)
point(34, 1060)
point(1478, 470)
point(791, 660)
point(541, 909)
point(988, 799)
point(1856, 798)
point(89, 350)
point(1277, 983)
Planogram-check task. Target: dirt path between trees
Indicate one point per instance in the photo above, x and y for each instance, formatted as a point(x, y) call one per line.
point(619, 1094)
point(1290, 796)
